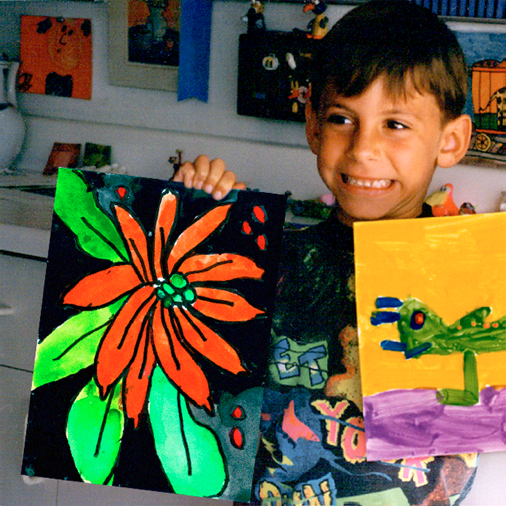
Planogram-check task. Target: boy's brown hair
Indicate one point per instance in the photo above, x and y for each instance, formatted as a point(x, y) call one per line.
point(397, 40)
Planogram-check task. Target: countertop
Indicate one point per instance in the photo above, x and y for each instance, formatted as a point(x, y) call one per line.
point(25, 216)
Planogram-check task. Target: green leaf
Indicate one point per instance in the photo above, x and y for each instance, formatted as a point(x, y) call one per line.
point(94, 432)
point(73, 345)
point(190, 453)
point(96, 234)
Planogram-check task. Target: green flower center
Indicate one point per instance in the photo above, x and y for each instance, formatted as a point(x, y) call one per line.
point(176, 291)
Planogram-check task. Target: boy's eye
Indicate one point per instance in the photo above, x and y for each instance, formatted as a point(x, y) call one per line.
point(338, 119)
point(395, 125)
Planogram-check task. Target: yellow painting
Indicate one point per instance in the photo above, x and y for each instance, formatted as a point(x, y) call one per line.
point(431, 306)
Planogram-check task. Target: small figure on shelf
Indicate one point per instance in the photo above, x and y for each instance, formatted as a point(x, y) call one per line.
point(467, 208)
point(255, 17)
point(319, 25)
point(176, 160)
point(442, 202)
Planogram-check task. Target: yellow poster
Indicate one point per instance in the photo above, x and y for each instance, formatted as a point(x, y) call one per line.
point(431, 306)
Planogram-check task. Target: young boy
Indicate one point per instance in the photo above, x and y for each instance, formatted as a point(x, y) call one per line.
point(388, 88)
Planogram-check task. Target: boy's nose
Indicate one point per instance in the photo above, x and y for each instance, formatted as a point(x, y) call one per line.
point(365, 144)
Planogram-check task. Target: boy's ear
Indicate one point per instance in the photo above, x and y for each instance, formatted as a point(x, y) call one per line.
point(312, 128)
point(455, 141)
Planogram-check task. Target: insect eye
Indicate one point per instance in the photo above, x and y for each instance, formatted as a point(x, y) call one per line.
point(417, 320)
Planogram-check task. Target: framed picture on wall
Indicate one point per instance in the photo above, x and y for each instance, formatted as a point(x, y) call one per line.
point(486, 58)
point(144, 43)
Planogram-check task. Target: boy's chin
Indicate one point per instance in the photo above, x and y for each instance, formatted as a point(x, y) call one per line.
point(350, 215)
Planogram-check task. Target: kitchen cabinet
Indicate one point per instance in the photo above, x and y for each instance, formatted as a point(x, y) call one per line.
point(21, 286)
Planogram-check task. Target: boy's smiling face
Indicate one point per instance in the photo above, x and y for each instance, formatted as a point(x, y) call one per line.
point(377, 153)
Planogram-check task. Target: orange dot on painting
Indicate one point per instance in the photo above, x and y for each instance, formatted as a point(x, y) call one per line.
point(238, 413)
point(419, 318)
point(237, 438)
point(121, 191)
point(246, 228)
point(495, 325)
point(259, 214)
point(486, 325)
point(473, 324)
point(262, 242)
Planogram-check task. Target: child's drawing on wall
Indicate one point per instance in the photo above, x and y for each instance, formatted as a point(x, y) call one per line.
point(56, 56)
point(153, 32)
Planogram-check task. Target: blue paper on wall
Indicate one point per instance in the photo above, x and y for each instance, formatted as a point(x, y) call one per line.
point(193, 77)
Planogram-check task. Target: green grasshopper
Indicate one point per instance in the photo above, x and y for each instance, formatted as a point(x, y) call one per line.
point(422, 331)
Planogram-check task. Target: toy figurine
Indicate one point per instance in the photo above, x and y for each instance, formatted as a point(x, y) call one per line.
point(319, 26)
point(442, 202)
point(254, 17)
point(298, 95)
point(467, 208)
point(176, 160)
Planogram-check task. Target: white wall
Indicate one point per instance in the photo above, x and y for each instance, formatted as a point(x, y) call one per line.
point(146, 127)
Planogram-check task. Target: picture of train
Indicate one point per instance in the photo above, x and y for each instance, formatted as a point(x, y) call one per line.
point(488, 78)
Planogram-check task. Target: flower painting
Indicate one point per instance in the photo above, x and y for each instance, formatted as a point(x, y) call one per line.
point(155, 320)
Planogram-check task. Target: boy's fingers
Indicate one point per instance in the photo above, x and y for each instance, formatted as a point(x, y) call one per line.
point(216, 170)
point(185, 174)
point(203, 166)
point(209, 175)
point(223, 186)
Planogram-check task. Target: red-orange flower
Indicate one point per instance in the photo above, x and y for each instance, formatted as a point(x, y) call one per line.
point(168, 292)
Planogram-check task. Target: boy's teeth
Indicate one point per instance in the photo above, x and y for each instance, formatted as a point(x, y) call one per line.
point(368, 183)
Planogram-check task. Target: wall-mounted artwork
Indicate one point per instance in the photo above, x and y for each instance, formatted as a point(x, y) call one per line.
point(486, 57)
point(151, 354)
point(96, 155)
point(144, 42)
point(56, 56)
point(273, 75)
point(153, 32)
point(62, 155)
point(431, 304)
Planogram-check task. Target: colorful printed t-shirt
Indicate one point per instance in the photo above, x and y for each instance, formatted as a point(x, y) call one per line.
point(312, 446)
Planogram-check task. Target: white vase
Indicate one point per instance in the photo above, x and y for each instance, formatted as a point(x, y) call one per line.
point(12, 125)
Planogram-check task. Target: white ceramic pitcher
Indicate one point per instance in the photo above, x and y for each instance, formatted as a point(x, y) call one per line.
point(12, 126)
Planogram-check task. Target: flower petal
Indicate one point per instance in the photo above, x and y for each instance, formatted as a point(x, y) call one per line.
point(121, 341)
point(136, 242)
point(224, 305)
point(138, 377)
point(164, 223)
point(208, 343)
point(217, 267)
point(103, 287)
point(176, 362)
point(196, 233)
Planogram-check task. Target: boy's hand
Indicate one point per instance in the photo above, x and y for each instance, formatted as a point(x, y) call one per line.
point(211, 176)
